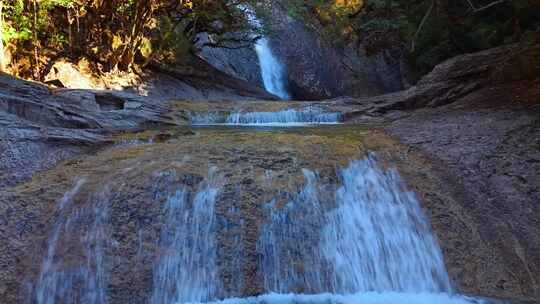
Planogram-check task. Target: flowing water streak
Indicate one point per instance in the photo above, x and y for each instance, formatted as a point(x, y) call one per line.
point(272, 71)
point(232, 255)
point(280, 245)
point(358, 298)
point(61, 280)
point(288, 117)
point(291, 116)
point(186, 271)
point(376, 239)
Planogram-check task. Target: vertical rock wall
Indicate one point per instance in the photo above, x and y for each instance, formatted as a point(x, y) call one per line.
point(316, 69)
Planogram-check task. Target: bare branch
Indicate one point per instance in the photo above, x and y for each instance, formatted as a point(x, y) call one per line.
point(417, 34)
point(485, 7)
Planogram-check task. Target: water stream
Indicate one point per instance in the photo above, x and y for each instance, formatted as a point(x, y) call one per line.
point(357, 237)
point(64, 278)
point(186, 270)
point(284, 118)
point(272, 70)
point(374, 240)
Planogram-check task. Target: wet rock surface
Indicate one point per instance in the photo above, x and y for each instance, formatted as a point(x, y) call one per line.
point(41, 125)
point(316, 68)
point(129, 182)
point(487, 160)
point(466, 139)
point(477, 123)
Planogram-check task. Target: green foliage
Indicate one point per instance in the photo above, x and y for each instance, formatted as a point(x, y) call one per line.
point(452, 27)
point(118, 33)
point(172, 41)
point(19, 25)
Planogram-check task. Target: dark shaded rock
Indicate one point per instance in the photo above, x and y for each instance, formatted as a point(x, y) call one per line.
point(475, 119)
point(241, 63)
point(315, 68)
point(319, 70)
point(211, 83)
point(515, 67)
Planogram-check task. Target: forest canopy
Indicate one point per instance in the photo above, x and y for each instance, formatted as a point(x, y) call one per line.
point(429, 30)
point(119, 33)
point(116, 33)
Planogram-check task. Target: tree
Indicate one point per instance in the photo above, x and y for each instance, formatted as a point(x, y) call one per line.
point(2, 54)
point(119, 33)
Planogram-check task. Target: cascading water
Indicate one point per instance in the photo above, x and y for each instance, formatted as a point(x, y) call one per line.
point(272, 71)
point(378, 238)
point(361, 240)
point(372, 242)
point(186, 270)
point(280, 247)
point(61, 280)
point(288, 117)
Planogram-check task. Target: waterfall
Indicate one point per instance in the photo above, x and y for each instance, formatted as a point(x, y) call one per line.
point(378, 238)
point(61, 280)
point(186, 270)
point(280, 247)
point(272, 70)
point(368, 237)
point(288, 117)
point(357, 298)
point(361, 240)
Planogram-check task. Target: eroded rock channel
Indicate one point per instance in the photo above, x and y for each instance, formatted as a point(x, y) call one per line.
point(221, 213)
point(387, 199)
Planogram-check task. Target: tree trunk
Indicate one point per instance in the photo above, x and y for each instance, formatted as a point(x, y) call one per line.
point(2, 55)
point(421, 26)
point(36, 55)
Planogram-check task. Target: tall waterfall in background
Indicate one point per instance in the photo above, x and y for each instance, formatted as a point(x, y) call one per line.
point(186, 270)
point(272, 70)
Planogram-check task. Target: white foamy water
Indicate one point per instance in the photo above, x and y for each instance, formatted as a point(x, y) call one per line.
point(358, 298)
point(367, 239)
point(284, 118)
point(378, 238)
point(186, 270)
point(272, 70)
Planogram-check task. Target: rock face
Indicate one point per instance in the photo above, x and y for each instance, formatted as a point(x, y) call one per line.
point(39, 127)
point(466, 139)
point(195, 81)
point(241, 63)
point(502, 71)
point(485, 208)
point(319, 70)
point(316, 69)
point(476, 120)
